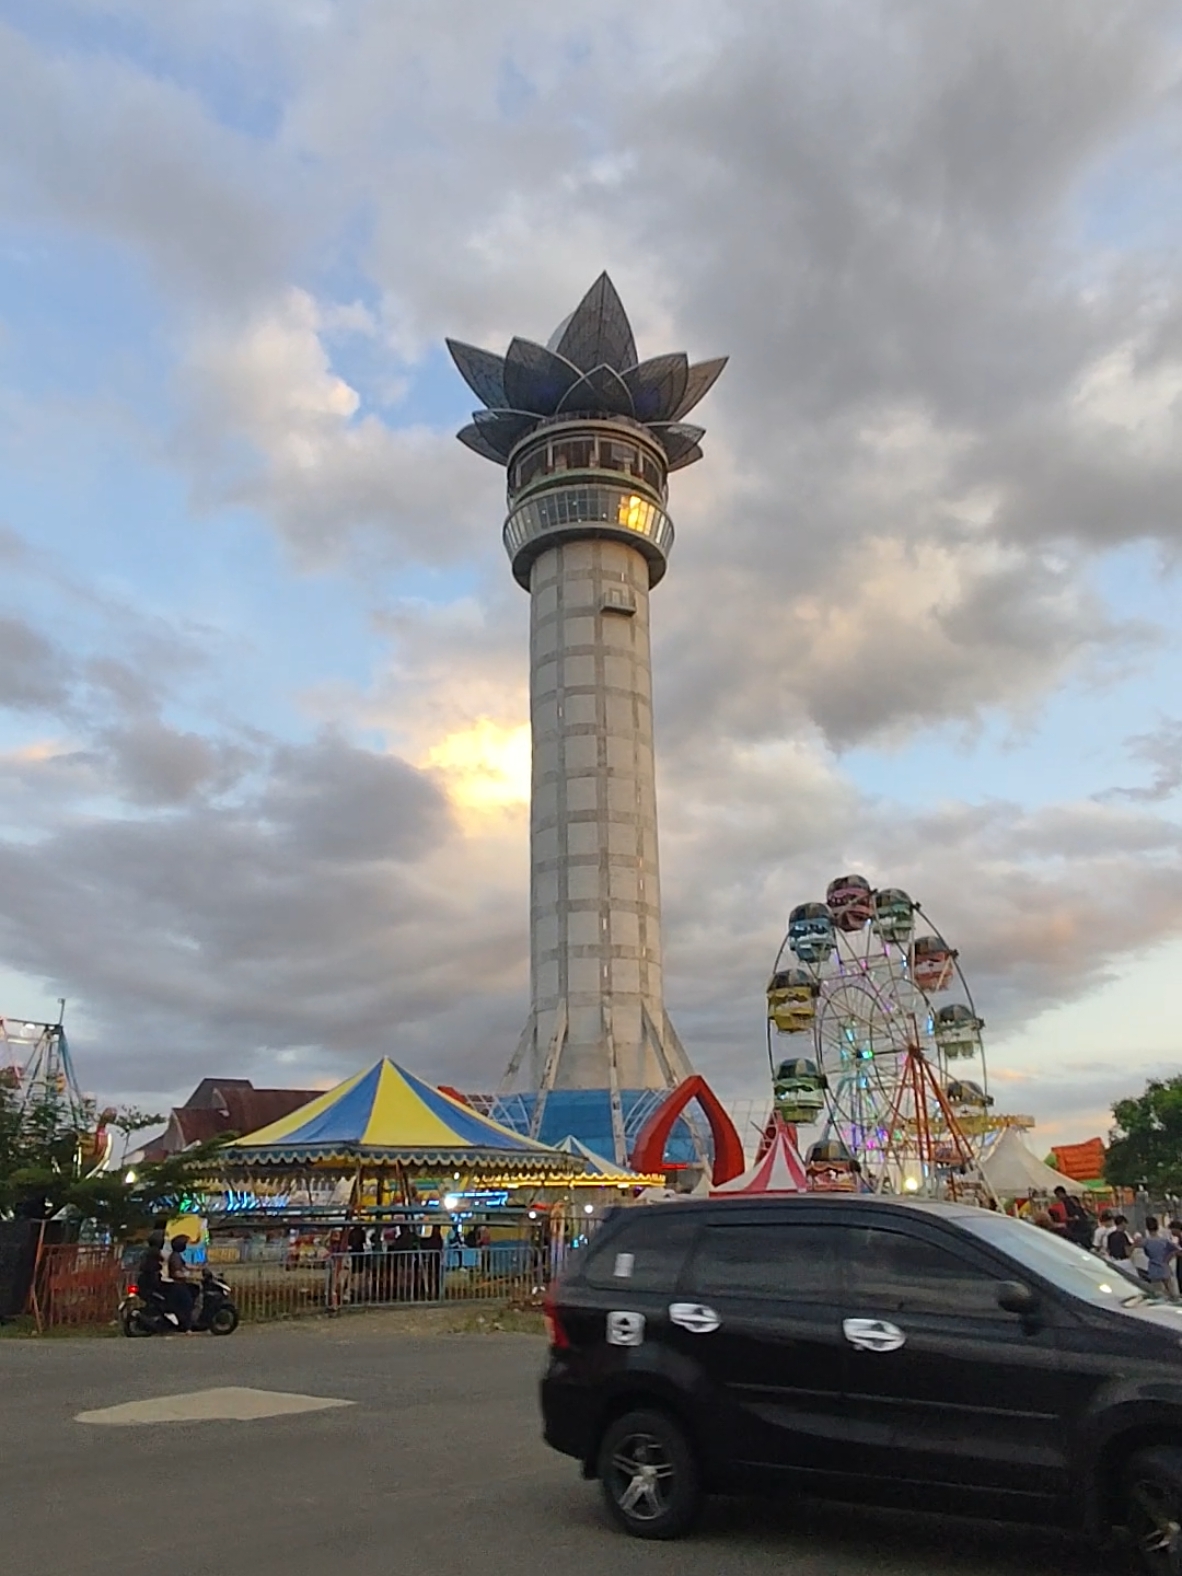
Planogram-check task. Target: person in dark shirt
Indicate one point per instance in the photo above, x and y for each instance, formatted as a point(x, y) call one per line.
point(180, 1293)
point(1076, 1220)
point(1120, 1244)
point(150, 1272)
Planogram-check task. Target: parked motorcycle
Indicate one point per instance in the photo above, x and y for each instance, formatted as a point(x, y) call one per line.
point(149, 1313)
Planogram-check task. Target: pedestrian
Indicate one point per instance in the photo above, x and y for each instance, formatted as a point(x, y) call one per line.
point(1176, 1232)
point(356, 1240)
point(434, 1264)
point(1160, 1253)
point(1120, 1245)
point(1100, 1235)
point(1077, 1224)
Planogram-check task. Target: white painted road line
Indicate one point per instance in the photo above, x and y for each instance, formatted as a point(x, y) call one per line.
point(232, 1403)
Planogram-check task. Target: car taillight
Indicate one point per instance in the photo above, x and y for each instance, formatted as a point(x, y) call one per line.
point(555, 1333)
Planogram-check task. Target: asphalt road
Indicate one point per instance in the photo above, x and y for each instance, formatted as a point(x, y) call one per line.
point(438, 1468)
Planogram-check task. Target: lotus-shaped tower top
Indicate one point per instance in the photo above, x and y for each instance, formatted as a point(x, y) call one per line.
point(589, 370)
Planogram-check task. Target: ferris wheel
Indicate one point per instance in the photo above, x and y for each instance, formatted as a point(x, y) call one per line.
point(873, 1033)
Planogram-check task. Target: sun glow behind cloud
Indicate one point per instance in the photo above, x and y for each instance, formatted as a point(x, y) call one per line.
point(486, 768)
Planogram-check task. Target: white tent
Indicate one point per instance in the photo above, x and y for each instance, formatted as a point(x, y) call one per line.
point(1011, 1169)
point(780, 1170)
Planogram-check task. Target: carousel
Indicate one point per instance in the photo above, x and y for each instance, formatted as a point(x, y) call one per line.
point(389, 1138)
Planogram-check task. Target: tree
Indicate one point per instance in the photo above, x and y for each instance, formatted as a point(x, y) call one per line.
point(1146, 1143)
point(47, 1155)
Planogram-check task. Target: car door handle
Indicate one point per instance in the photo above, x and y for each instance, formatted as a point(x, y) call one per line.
point(873, 1335)
point(694, 1316)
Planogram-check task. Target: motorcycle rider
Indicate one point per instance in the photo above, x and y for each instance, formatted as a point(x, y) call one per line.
point(149, 1274)
point(180, 1293)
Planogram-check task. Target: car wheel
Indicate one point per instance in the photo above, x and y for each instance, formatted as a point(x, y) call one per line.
point(1152, 1506)
point(649, 1476)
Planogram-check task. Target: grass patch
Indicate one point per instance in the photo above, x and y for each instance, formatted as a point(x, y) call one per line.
point(24, 1328)
point(481, 1319)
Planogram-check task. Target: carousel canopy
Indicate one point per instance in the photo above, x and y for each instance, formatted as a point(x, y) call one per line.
point(1012, 1169)
point(387, 1114)
point(598, 1171)
point(780, 1170)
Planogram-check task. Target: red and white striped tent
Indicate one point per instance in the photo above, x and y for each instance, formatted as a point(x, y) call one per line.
point(779, 1170)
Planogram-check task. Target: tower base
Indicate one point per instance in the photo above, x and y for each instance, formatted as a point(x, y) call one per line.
point(662, 1039)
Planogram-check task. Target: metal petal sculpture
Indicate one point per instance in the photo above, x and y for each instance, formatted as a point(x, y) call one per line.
point(590, 368)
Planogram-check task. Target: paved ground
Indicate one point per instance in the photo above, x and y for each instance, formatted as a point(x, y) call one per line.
point(437, 1468)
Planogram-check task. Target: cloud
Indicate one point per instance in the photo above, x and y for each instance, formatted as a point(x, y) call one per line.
point(269, 425)
point(34, 675)
point(1160, 750)
point(954, 386)
point(98, 144)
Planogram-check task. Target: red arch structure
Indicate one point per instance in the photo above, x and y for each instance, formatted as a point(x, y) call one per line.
point(648, 1153)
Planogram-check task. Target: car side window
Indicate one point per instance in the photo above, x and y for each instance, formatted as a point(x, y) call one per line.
point(892, 1272)
point(646, 1254)
point(782, 1261)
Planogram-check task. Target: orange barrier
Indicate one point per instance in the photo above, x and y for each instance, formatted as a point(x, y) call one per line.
point(75, 1284)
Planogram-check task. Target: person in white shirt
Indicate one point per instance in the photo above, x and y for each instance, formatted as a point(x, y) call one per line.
point(1100, 1235)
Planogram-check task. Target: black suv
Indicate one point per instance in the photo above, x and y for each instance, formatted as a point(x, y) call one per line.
point(933, 1356)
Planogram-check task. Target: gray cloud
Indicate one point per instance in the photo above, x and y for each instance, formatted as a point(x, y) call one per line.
point(1161, 751)
point(34, 674)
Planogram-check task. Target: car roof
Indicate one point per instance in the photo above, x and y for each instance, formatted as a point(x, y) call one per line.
point(806, 1201)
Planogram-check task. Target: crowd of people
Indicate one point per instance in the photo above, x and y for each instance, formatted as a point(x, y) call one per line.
point(1153, 1255)
point(393, 1263)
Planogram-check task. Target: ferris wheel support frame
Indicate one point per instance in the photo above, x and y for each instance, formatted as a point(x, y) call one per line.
point(918, 1078)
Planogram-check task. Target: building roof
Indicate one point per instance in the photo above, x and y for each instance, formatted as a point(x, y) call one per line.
point(1082, 1162)
point(222, 1105)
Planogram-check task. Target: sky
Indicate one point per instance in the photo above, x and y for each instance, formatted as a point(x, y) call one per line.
point(264, 743)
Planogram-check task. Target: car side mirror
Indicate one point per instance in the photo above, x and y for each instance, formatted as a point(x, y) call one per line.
point(1015, 1297)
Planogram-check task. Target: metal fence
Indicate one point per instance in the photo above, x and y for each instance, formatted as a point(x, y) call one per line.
point(81, 1285)
point(509, 1273)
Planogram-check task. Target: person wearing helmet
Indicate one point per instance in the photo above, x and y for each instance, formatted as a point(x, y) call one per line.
point(180, 1293)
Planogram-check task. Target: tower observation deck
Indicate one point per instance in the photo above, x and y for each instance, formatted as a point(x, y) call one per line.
point(588, 435)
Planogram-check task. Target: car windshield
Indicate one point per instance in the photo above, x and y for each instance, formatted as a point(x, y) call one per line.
point(1072, 1269)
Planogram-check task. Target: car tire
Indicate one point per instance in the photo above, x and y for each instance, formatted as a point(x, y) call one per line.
point(649, 1477)
point(1151, 1508)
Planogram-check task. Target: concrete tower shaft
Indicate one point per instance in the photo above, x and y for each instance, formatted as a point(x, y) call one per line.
point(595, 903)
point(588, 434)
point(588, 533)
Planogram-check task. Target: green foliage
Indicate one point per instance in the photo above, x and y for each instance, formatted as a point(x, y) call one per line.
point(46, 1159)
point(1146, 1143)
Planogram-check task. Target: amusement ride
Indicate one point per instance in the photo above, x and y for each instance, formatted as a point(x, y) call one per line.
point(872, 1032)
point(38, 1071)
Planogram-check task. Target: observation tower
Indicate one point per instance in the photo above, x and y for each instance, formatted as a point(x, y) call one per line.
point(588, 434)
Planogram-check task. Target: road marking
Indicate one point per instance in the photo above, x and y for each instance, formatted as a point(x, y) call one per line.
point(233, 1403)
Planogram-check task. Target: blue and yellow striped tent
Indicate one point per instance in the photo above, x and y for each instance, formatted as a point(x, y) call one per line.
point(385, 1115)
